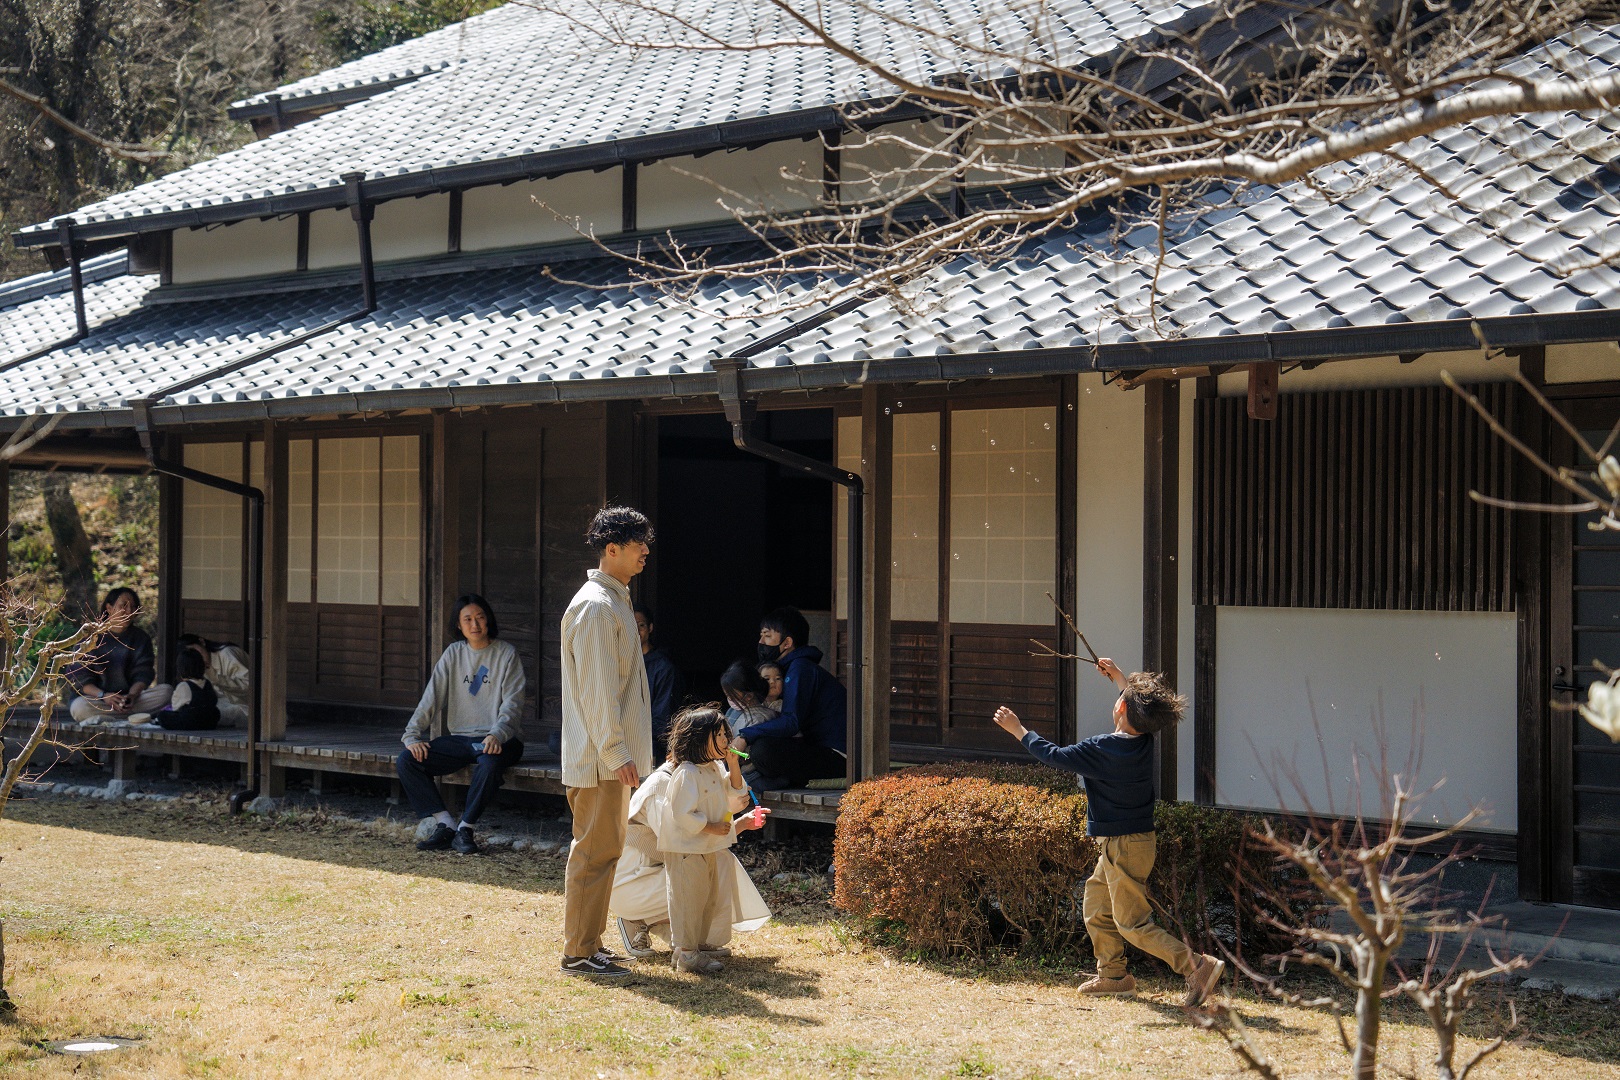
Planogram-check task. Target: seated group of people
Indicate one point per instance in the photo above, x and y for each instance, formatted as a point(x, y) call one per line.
point(116, 681)
point(785, 711)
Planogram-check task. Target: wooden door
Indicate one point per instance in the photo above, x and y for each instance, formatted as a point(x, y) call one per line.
point(1585, 766)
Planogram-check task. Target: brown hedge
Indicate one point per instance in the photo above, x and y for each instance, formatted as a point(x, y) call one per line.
point(967, 859)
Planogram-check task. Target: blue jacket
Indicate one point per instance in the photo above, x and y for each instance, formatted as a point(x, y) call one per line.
point(667, 687)
point(1117, 772)
point(813, 703)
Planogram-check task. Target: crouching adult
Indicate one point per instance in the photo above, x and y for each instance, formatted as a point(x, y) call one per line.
point(805, 741)
point(477, 689)
point(115, 679)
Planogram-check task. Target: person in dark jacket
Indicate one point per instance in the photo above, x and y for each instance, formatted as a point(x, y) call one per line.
point(117, 678)
point(665, 683)
point(806, 740)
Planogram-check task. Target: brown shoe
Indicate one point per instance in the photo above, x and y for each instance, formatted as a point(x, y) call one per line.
point(1203, 979)
point(1123, 987)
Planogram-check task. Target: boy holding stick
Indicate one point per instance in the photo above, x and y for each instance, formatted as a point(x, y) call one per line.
point(1116, 770)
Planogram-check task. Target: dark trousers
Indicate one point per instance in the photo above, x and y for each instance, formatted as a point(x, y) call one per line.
point(452, 753)
point(776, 762)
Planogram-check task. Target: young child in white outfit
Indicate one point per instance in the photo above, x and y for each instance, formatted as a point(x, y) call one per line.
point(691, 817)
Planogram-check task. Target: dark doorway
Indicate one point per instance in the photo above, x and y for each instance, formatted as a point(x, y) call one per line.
point(737, 536)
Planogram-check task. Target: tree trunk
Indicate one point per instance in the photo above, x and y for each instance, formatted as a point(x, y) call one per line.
point(73, 558)
point(6, 1004)
point(1364, 1062)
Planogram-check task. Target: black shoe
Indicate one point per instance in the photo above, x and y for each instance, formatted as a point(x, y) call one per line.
point(443, 836)
point(594, 967)
point(464, 844)
point(608, 957)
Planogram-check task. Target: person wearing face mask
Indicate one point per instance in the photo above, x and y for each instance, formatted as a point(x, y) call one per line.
point(115, 679)
point(806, 740)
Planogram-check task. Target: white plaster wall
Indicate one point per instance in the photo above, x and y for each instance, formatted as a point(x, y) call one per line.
point(1108, 541)
point(333, 240)
point(1443, 684)
point(542, 211)
point(872, 166)
point(245, 249)
point(1383, 371)
point(1596, 361)
point(685, 190)
point(411, 228)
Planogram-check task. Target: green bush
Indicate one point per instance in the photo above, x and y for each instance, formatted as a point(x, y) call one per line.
point(965, 860)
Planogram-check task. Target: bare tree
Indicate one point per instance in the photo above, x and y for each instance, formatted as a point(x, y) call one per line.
point(1045, 124)
point(32, 669)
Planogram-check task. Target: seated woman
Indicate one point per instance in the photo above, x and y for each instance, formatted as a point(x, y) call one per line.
point(477, 689)
point(226, 669)
point(115, 679)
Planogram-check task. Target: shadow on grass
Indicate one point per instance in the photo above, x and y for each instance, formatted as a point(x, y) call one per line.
point(741, 992)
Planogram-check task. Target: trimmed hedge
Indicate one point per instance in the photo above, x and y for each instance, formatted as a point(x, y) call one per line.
point(967, 859)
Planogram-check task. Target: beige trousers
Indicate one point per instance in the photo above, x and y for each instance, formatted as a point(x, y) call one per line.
point(151, 700)
point(601, 814)
point(1117, 908)
point(697, 894)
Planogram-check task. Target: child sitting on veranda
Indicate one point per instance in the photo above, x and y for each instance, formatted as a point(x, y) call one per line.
point(194, 705)
point(691, 817)
point(1116, 770)
point(746, 691)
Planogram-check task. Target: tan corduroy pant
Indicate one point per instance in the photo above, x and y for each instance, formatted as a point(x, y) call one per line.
point(696, 895)
point(1117, 908)
point(601, 814)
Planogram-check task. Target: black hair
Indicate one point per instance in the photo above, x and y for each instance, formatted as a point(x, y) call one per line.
point(644, 608)
point(489, 616)
point(618, 525)
point(114, 594)
point(789, 622)
point(186, 641)
point(743, 678)
point(692, 730)
point(189, 665)
point(1150, 704)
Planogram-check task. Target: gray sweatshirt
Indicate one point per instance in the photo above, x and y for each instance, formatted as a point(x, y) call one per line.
point(472, 704)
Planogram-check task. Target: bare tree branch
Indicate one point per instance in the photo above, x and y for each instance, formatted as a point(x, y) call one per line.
point(127, 151)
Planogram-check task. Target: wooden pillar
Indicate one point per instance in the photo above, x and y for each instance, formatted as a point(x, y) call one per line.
point(170, 494)
point(1068, 525)
point(1203, 616)
point(1161, 505)
point(619, 454)
point(877, 455)
point(440, 554)
point(5, 521)
point(1532, 549)
point(273, 658)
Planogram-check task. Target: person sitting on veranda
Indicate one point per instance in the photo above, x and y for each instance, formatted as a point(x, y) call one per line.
point(226, 669)
point(116, 678)
point(477, 689)
point(806, 740)
point(195, 705)
point(665, 683)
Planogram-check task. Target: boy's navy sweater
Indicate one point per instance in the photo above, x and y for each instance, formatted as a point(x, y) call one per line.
point(813, 703)
point(1117, 773)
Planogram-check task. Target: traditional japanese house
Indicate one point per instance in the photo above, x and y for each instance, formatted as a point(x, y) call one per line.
point(383, 316)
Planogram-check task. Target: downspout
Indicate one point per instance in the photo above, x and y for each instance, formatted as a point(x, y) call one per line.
point(740, 411)
point(70, 248)
point(361, 210)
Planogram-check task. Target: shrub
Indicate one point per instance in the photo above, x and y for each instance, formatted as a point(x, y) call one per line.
point(967, 859)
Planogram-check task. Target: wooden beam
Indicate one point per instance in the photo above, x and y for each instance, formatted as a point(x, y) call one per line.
point(1068, 432)
point(1206, 565)
point(1531, 561)
point(5, 521)
point(273, 661)
point(1263, 390)
point(1161, 508)
point(1204, 761)
point(877, 454)
point(169, 518)
point(619, 453)
point(443, 527)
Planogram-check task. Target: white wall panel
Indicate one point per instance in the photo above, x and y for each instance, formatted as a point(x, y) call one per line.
point(245, 249)
point(1597, 361)
point(1384, 371)
point(527, 212)
point(1444, 682)
point(686, 190)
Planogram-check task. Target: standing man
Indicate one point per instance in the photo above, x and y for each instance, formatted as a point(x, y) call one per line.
point(606, 732)
point(665, 682)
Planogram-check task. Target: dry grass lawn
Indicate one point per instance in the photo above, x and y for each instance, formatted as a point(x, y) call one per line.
point(309, 948)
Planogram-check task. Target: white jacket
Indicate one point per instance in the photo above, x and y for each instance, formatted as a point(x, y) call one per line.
point(695, 796)
point(606, 709)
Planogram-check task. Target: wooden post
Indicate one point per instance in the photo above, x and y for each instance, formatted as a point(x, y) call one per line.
point(439, 581)
point(1068, 579)
point(877, 453)
point(1532, 550)
point(1263, 378)
point(170, 493)
point(619, 454)
point(1203, 615)
point(5, 521)
point(273, 661)
point(1161, 509)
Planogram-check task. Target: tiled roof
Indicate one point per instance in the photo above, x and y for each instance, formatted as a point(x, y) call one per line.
point(522, 87)
point(1524, 248)
point(37, 311)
